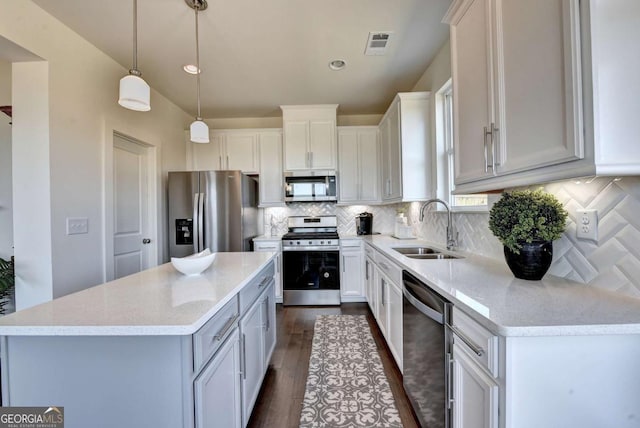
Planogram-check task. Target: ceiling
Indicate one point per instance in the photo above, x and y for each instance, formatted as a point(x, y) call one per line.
point(259, 54)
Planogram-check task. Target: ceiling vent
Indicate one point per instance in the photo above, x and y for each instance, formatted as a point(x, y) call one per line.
point(378, 42)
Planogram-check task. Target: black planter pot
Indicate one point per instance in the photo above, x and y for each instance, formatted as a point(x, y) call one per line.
point(532, 262)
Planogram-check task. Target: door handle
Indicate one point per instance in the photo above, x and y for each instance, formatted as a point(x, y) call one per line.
point(494, 144)
point(146, 241)
point(201, 223)
point(195, 221)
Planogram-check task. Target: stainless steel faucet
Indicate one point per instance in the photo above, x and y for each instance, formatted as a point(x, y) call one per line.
point(452, 236)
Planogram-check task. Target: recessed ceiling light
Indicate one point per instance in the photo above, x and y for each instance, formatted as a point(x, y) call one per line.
point(191, 69)
point(337, 64)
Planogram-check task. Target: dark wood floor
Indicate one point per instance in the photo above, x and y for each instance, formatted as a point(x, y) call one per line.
point(280, 401)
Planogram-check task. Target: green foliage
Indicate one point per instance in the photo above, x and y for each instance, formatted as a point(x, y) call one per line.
point(527, 216)
point(7, 281)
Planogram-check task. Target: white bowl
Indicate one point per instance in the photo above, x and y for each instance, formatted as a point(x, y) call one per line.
point(193, 264)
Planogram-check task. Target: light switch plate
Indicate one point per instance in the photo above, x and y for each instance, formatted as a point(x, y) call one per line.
point(587, 225)
point(77, 225)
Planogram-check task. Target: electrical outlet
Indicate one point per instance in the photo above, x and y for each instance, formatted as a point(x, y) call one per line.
point(587, 225)
point(77, 225)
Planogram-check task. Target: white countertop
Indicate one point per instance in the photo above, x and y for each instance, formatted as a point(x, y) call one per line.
point(158, 301)
point(486, 289)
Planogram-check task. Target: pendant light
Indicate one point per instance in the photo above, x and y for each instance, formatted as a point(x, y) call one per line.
point(134, 91)
point(199, 130)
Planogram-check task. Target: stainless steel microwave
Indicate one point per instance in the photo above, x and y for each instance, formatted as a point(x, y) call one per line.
point(310, 186)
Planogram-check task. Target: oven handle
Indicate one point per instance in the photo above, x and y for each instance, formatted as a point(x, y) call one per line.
point(424, 309)
point(314, 248)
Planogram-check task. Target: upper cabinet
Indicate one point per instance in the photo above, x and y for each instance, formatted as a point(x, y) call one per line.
point(231, 149)
point(271, 177)
point(406, 150)
point(526, 109)
point(358, 165)
point(309, 137)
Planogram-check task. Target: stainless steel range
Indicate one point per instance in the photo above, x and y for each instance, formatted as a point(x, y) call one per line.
point(311, 261)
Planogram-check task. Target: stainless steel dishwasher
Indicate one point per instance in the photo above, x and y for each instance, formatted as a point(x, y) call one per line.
point(426, 352)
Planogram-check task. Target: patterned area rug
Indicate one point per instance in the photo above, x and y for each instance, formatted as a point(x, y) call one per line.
point(346, 386)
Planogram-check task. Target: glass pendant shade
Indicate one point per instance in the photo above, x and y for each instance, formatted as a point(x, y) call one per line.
point(199, 132)
point(134, 93)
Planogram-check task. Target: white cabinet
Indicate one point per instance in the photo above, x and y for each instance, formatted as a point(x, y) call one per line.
point(231, 149)
point(273, 245)
point(217, 388)
point(509, 132)
point(475, 394)
point(384, 295)
point(394, 321)
point(358, 165)
point(271, 172)
point(309, 134)
point(351, 271)
point(406, 149)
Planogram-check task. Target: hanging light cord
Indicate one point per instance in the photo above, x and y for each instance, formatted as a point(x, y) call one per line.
point(135, 70)
point(196, 8)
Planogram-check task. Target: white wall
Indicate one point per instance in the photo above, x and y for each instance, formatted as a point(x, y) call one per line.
point(6, 203)
point(82, 114)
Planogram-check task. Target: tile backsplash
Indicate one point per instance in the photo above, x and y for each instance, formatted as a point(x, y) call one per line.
point(612, 263)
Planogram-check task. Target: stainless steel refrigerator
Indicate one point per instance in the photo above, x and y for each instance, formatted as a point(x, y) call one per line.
point(211, 209)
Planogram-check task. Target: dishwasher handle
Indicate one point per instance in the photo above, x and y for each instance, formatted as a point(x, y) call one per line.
point(424, 309)
point(477, 349)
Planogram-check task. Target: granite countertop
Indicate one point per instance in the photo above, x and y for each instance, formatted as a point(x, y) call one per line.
point(158, 301)
point(486, 289)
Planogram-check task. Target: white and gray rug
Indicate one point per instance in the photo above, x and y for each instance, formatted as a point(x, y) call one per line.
point(346, 386)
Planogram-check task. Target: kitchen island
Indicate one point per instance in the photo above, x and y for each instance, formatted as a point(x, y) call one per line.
point(152, 349)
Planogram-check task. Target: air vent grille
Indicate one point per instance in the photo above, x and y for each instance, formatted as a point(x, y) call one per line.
point(378, 42)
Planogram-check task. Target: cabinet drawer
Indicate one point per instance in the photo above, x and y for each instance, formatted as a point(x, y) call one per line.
point(252, 290)
point(468, 330)
point(267, 246)
point(208, 339)
point(369, 251)
point(393, 271)
point(350, 243)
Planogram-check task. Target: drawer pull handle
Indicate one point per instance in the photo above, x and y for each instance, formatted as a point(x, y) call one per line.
point(264, 281)
point(225, 329)
point(475, 348)
point(267, 248)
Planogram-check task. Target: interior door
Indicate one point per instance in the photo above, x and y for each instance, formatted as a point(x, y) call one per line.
point(131, 234)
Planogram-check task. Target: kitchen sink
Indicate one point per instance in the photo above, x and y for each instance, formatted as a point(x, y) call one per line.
point(424, 253)
point(415, 250)
point(432, 256)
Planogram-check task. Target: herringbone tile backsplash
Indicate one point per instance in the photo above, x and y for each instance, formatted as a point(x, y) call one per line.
point(612, 263)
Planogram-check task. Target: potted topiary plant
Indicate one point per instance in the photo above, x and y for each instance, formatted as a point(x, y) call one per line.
point(7, 282)
point(527, 222)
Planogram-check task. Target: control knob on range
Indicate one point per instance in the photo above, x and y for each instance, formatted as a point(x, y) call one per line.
point(297, 242)
point(310, 242)
point(322, 242)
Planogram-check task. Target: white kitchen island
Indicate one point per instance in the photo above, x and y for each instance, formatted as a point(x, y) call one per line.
point(154, 349)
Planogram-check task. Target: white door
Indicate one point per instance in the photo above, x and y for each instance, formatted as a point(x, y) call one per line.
point(241, 151)
point(131, 237)
point(348, 165)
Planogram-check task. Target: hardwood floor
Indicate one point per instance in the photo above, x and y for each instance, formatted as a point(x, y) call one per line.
point(280, 401)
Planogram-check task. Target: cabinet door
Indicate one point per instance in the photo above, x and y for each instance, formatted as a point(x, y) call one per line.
point(475, 394)
point(252, 341)
point(241, 151)
point(217, 388)
point(472, 69)
point(351, 284)
point(269, 322)
point(208, 157)
point(271, 178)
point(369, 276)
point(322, 144)
point(385, 171)
point(382, 299)
point(273, 246)
point(394, 321)
point(395, 159)
point(542, 122)
point(296, 145)
point(369, 179)
point(348, 165)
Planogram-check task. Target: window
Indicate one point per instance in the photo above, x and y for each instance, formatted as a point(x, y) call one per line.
point(445, 156)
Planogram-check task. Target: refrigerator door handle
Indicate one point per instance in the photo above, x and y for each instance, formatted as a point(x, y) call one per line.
point(196, 223)
point(201, 223)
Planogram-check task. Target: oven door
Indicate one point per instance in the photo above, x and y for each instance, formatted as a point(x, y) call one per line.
point(305, 269)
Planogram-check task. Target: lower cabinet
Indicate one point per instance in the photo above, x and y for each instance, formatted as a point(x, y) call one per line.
point(253, 356)
point(475, 393)
point(217, 388)
point(274, 245)
point(351, 281)
point(370, 284)
point(394, 322)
